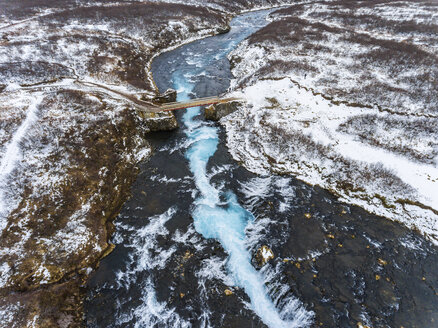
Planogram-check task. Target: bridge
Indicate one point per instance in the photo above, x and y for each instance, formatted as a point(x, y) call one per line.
point(194, 103)
point(149, 107)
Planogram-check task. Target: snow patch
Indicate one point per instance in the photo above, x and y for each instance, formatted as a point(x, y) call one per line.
point(281, 108)
point(12, 155)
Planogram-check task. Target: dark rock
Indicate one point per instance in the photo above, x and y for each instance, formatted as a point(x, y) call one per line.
point(164, 121)
point(264, 255)
point(168, 96)
point(222, 30)
point(2, 87)
point(216, 112)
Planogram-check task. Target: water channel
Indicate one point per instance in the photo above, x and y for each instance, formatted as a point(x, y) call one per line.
point(185, 241)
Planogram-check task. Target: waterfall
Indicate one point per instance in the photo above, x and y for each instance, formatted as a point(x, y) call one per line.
point(227, 222)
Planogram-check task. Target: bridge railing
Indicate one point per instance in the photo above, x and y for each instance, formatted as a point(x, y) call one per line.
point(195, 103)
point(188, 103)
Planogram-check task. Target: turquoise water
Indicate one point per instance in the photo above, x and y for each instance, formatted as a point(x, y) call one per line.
point(224, 220)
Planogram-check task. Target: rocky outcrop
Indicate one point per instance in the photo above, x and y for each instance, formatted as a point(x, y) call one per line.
point(57, 305)
point(223, 30)
point(164, 121)
point(264, 255)
point(217, 111)
point(166, 97)
point(153, 122)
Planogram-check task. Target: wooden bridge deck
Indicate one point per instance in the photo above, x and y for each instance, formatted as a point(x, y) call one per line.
point(149, 107)
point(185, 104)
point(194, 103)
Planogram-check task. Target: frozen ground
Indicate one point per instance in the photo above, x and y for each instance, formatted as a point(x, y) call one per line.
point(343, 95)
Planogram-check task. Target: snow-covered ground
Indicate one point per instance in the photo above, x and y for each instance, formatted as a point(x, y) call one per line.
point(344, 96)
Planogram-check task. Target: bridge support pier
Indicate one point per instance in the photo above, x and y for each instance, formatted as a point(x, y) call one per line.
point(217, 111)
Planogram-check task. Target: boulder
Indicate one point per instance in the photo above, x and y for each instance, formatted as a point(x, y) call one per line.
point(223, 30)
point(264, 255)
point(217, 111)
point(168, 96)
point(228, 292)
point(153, 122)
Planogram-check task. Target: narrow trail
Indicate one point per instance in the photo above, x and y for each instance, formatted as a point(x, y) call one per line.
point(141, 104)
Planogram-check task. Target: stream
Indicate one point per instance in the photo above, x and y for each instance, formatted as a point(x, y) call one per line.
point(185, 241)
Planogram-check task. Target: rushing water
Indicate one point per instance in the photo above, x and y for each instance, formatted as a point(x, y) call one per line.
point(224, 220)
point(196, 218)
point(217, 213)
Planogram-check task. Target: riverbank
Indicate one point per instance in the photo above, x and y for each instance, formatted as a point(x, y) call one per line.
point(346, 100)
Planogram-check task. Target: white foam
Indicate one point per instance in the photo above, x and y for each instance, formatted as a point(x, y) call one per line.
point(151, 312)
point(228, 224)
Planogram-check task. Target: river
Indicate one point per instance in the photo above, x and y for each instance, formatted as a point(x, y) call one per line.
point(185, 241)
